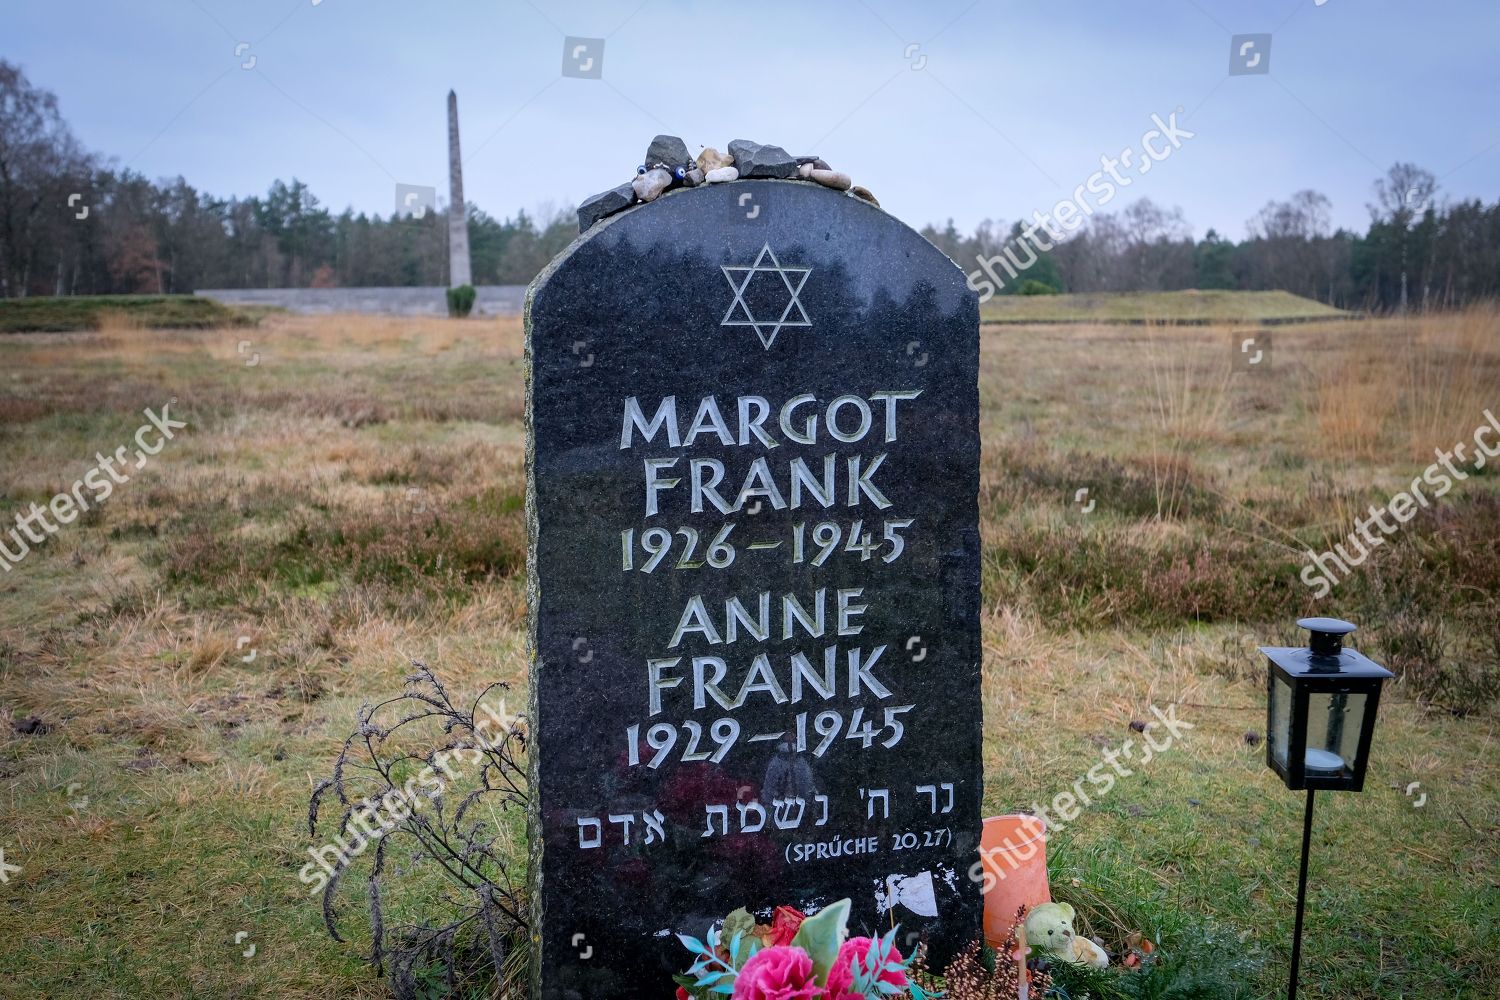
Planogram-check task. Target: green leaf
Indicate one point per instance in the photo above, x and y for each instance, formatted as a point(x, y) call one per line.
point(687, 983)
point(821, 935)
point(741, 921)
point(735, 959)
point(859, 978)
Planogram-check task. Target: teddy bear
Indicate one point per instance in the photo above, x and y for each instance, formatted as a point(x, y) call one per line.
point(1049, 930)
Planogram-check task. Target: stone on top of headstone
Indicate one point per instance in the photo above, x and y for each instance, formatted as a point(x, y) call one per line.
point(753, 585)
point(831, 178)
point(712, 159)
point(754, 160)
point(668, 151)
point(650, 185)
point(604, 204)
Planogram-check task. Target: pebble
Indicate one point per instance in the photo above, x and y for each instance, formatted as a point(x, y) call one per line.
point(668, 151)
point(603, 204)
point(712, 159)
point(650, 185)
point(832, 178)
point(668, 163)
point(752, 159)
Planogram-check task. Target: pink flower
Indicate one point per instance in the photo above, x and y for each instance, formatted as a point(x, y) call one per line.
point(777, 974)
point(841, 976)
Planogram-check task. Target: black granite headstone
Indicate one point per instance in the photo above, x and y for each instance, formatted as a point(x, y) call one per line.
point(754, 580)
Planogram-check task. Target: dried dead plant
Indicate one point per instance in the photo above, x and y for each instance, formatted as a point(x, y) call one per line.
point(465, 924)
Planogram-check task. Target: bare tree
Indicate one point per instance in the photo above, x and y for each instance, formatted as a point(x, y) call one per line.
point(1306, 216)
point(1291, 245)
point(1403, 194)
point(1158, 247)
point(40, 164)
point(1404, 197)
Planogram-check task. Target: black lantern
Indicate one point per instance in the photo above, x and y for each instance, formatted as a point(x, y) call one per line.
point(1320, 717)
point(1320, 709)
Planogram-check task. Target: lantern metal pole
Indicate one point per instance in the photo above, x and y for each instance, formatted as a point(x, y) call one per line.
point(1307, 823)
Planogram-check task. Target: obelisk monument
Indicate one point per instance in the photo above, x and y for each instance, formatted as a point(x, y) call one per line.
point(458, 213)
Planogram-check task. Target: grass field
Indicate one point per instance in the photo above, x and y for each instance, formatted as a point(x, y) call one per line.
point(1189, 307)
point(178, 665)
point(116, 312)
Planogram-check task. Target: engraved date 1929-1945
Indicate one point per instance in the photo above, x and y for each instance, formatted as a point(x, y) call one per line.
point(815, 733)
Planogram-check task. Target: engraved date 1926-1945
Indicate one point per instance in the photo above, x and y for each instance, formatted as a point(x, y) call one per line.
point(815, 545)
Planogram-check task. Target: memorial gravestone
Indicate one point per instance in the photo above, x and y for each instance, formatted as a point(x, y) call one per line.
point(754, 580)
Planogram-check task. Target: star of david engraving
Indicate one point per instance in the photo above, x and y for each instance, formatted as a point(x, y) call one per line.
point(793, 278)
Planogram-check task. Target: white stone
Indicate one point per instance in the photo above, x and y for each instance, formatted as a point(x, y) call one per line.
point(721, 174)
point(832, 178)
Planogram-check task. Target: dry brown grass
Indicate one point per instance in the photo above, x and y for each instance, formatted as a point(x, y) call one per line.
point(1453, 375)
point(1409, 385)
point(115, 321)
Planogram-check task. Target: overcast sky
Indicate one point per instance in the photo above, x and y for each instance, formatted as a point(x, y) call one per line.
point(944, 108)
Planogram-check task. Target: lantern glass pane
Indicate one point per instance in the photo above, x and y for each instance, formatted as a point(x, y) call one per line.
point(1333, 727)
point(1281, 718)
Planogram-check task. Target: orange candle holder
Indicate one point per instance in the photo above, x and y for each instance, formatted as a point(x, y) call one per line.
point(1013, 853)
